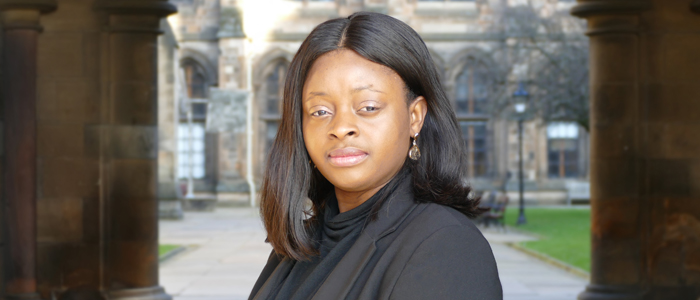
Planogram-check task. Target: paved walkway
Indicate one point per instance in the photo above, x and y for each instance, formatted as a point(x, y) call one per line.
point(226, 252)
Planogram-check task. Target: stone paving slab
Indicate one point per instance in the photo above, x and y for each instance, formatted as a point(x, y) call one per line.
point(226, 252)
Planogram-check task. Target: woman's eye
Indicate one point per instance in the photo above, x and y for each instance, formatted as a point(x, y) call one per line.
point(319, 113)
point(369, 108)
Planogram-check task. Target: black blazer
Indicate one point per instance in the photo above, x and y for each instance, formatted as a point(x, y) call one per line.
point(411, 251)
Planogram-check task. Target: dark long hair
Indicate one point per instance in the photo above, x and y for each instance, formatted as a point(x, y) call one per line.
point(289, 180)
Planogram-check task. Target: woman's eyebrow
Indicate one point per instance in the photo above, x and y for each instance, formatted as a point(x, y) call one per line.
point(314, 94)
point(366, 87)
point(354, 90)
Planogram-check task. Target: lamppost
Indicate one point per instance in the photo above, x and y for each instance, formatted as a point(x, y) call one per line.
point(520, 97)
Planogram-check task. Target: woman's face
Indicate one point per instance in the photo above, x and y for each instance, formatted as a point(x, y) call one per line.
point(357, 123)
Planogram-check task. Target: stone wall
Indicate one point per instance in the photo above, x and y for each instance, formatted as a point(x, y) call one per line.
point(70, 113)
point(229, 125)
point(91, 75)
point(169, 192)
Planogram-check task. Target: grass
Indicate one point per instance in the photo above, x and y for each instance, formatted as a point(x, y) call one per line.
point(163, 249)
point(565, 233)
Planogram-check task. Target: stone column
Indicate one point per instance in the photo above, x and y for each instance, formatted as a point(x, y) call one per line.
point(19, 62)
point(228, 107)
point(645, 163)
point(170, 205)
point(129, 148)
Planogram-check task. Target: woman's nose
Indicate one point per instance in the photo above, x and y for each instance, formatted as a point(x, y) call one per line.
point(344, 125)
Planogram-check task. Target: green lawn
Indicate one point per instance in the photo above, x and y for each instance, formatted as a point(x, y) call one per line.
point(163, 249)
point(565, 233)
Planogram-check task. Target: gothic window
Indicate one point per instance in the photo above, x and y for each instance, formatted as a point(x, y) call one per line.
point(193, 115)
point(196, 84)
point(195, 79)
point(273, 89)
point(475, 134)
point(471, 96)
point(563, 150)
point(471, 107)
point(272, 106)
point(190, 149)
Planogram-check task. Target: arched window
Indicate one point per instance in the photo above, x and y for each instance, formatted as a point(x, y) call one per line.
point(197, 90)
point(471, 105)
point(272, 98)
point(274, 84)
point(471, 92)
point(563, 150)
point(193, 116)
point(195, 82)
point(191, 156)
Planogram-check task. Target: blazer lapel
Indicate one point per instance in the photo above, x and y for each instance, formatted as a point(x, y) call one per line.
point(339, 282)
point(282, 270)
point(337, 285)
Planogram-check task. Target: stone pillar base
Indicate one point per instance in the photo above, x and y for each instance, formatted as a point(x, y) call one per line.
point(27, 296)
point(199, 203)
point(170, 209)
point(609, 292)
point(149, 293)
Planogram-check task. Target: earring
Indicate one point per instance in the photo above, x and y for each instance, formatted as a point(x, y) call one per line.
point(414, 153)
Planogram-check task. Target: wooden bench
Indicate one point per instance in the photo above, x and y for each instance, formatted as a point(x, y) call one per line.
point(496, 211)
point(577, 190)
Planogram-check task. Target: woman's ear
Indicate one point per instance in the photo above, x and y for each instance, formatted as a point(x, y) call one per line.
point(416, 111)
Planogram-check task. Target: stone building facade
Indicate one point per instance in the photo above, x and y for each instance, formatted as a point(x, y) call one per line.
point(241, 49)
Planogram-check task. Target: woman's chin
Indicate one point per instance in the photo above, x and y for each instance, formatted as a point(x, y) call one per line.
point(351, 186)
point(351, 183)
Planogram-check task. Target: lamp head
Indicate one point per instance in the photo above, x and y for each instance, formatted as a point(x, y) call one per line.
point(520, 96)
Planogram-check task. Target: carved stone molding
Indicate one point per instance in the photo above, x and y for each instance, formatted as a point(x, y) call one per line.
point(620, 16)
point(161, 8)
point(27, 296)
point(589, 8)
point(44, 6)
point(623, 28)
point(608, 292)
point(136, 16)
point(695, 6)
point(149, 293)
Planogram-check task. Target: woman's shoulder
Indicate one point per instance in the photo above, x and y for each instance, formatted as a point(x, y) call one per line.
point(435, 218)
point(436, 228)
point(448, 244)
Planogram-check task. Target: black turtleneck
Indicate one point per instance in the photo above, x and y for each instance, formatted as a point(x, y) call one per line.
point(338, 232)
point(409, 250)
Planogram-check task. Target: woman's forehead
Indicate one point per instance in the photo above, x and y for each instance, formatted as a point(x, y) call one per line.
point(348, 68)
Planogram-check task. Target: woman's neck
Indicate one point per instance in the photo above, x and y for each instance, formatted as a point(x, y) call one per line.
point(349, 200)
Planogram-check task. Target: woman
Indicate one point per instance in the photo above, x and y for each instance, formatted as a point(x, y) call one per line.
point(369, 136)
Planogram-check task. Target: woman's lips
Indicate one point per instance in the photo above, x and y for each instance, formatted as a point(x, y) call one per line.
point(346, 157)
